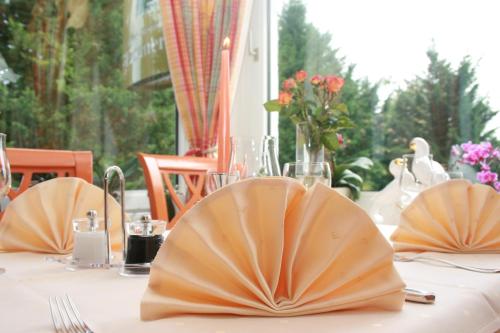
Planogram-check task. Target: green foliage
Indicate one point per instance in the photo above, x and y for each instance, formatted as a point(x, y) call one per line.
point(442, 106)
point(292, 39)
point(347, 175)
point(272, 105)
point(72, 94)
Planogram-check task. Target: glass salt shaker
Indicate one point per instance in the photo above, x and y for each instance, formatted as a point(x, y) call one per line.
point(89, 250)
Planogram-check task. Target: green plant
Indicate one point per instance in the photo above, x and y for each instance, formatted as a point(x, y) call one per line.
point(72, 91)
point(346, 175)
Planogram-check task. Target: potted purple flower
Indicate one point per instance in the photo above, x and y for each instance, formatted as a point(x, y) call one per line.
point(483, 157)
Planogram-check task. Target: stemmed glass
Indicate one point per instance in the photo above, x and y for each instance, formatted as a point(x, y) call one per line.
point(246, 156)
point(309, 173)
point(250, 157)
point(5, 176)
point(255, 157)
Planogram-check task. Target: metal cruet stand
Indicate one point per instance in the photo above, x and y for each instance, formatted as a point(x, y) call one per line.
point(107, 177)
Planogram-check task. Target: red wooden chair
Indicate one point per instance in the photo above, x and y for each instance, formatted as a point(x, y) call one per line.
point(158, 170)
point(62, 163)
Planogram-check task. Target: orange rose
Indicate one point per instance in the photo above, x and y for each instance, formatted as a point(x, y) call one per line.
point(334, 83)
point(284, 98)
point(301, 75)
point(316, 79)
point(289, 84)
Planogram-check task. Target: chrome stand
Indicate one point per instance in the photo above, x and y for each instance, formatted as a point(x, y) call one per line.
point(107, 176)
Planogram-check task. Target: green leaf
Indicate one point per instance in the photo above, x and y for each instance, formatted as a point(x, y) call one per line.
point(341, 107)
point(345, 122)
point(355, 190)
point(339, 169)
point(329, 139)
point(295, 119)
point(317, 112)
point(351, 177)
point(286, 111)
point(348, 178)
point(362, 163)
point(272, 106)
point(311, 104)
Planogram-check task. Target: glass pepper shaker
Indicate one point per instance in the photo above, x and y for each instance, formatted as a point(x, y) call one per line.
point(144, 239)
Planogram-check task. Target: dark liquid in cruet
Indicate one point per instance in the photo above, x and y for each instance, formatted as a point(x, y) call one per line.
point(142, 249)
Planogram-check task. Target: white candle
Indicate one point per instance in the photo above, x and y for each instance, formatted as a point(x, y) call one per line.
point(90, 247)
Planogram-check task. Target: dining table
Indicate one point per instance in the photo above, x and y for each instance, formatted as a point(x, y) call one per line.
point(466, 301)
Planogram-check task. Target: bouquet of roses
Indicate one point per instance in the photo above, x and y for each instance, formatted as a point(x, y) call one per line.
point(315, 102)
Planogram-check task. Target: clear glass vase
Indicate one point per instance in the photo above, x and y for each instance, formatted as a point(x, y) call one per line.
point(308, 146)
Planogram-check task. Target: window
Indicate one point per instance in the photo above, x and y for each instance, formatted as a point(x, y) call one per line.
point(86, 75)
point(417, 68)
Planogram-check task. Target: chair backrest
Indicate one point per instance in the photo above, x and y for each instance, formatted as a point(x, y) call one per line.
point(62, 163)
point(158, 170)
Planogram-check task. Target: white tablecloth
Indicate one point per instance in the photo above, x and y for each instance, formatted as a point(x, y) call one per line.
point(466, 302)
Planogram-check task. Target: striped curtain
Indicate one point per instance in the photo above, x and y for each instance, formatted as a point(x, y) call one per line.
point(194, 31)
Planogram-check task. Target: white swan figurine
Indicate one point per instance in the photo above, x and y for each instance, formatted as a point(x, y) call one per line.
point(427, 171)
point(385, 207)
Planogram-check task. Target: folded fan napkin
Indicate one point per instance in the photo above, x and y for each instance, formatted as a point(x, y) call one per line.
point(266, 247)
point(454, 216)
point(39, 220)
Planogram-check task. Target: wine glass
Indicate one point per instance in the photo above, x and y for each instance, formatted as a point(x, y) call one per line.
point(5, 176)
point(246, 156)
point(216, 180)
point(309, 173)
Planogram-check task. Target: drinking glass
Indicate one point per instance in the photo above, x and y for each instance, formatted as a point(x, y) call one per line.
point(254, 157)
point(216, 180)
point(245, 156)
point(5, 176)
point(309, 173)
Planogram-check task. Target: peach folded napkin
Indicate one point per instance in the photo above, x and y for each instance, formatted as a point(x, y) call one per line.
point(39, 220)
point(268, 247)
point(454, 216)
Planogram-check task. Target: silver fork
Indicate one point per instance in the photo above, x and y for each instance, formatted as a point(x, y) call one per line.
point(66, 317)
point(423, 258)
